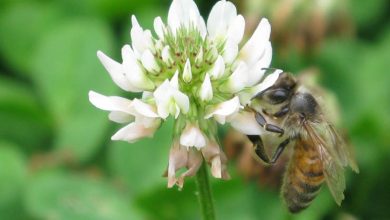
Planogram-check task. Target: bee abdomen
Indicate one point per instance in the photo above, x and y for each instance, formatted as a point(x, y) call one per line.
point(303, 180)
point(299, 197)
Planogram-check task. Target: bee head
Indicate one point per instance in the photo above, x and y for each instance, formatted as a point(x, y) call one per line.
point(281, 91)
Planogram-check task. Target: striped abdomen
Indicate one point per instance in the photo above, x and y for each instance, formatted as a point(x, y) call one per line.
point(303, 178)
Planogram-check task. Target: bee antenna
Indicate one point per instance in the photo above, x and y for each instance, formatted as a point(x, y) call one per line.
point(269, 68)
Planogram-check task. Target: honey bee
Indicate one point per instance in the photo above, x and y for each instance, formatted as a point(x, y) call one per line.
point(319, 152)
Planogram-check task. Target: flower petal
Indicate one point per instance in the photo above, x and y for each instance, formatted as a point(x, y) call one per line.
point(159, 27)
point(133, 132)
point(147, 95)
point(221, 15)
point(267, 82)
point(120, 117)
point(206, 90)
point(238, 80)
point(245, 123)
point(254, 47)
point(166, 56)
point(193, 164)
point(247, 94)
point(116, 72)
point(144, 109)
point(174, 82)
point(257, 71)
point(178, 157)
point(213, 155)
point(212, 54)
point(230, 51)
point(182, 101)
point(110, 103)
point(218, 69)
point(186, 13)
point(141, 40)
point(163, 98)
point(223, 110)
point(170, 100)
point(187, 73)
point(192, 136)
point(149, 62)
point(199, 57)
point(133, 71)
point(236, 29)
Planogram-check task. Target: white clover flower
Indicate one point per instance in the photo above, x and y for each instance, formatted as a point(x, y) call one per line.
point(196, 74)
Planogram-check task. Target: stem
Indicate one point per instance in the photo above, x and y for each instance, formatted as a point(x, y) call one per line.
point(204, 193)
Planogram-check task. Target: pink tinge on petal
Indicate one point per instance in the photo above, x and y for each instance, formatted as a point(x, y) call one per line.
point(193, 164)
point(182, 157)
point(215, 157)
point(178, 157)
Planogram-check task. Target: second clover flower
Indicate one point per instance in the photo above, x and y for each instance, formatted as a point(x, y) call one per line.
point(194, 72)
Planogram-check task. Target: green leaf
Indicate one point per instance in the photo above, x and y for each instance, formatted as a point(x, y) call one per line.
point(335, 60)
point(12, 173)
point(59, 195)
point(141, 165)
point(374, 93)
point(112, 9)
point(163, 203)
point(248, 201)
point(65, 69)
point(23, 120)
point(22, 25)
point(13, 176)
point(366, 13)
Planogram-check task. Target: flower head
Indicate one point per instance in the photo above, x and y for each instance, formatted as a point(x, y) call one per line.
point(194, 72)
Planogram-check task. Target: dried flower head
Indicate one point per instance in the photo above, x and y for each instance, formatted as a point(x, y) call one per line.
point(194, 72)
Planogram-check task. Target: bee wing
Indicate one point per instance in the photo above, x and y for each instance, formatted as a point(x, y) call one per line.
point(332, 162)
point(343, 150)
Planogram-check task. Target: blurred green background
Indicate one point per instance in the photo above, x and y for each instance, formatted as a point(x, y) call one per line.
point(56, 157)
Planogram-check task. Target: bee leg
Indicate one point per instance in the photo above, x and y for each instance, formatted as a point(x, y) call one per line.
point(279, 150)
point(282, 112)
point(268, 127)
point(259, 148)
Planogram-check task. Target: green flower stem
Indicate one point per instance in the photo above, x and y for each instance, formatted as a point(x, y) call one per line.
point(204, 193)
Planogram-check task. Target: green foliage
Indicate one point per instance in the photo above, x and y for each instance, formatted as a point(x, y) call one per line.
point(57, 159)
point(24, 120)
point(365, 13)
point(65, 75)
point(60, 195)
point(142, 175)
point(13, 176)
point(23, 25)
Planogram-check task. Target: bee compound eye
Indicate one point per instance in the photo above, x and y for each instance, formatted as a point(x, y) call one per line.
point(278, 96)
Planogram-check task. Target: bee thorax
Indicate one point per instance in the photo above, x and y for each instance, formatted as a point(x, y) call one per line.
point(304, 105)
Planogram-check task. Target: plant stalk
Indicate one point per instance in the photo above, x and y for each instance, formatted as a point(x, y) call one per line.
point(204, 193)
